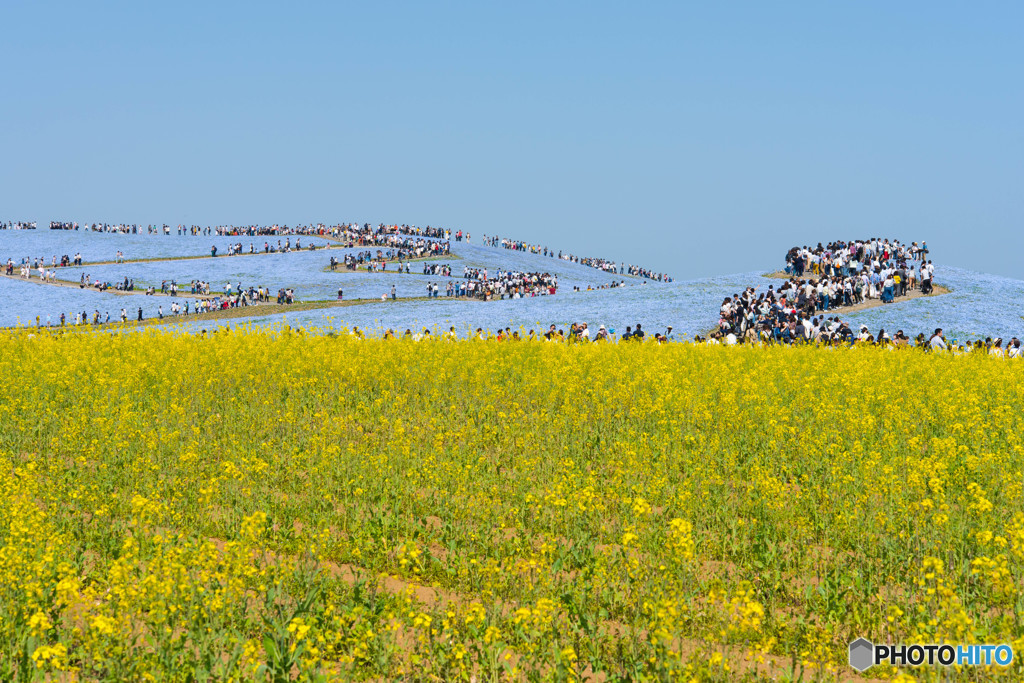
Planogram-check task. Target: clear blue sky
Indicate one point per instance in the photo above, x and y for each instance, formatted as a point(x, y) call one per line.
point(698, 138)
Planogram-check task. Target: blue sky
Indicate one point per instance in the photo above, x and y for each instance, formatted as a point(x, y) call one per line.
point(697, 138)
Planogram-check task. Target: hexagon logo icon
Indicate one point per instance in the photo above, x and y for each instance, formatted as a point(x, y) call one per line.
point(861, 654)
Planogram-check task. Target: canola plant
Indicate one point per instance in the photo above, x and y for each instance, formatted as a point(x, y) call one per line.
point(270, 505)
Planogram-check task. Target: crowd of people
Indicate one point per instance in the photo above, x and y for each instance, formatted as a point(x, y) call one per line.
point(605, 265)
point(192, 230)
point(126, 285)
point(821, 332)
point(580, 332)
point(404, 241)
point(18, 225)
point(318, 229)
point(843, 258)
point(355, 231)
point(503, 284)
point(377, 262)
point(825, 278)
point(796, 301)
point(236, 248)
point(342, 231)
point(36, 263)
point(832, 331)
point(234, 296)
point(802, 308)
point(120, 228)
point(822, 279)
point(403, 245)
point(833, 276)
point(511, 284)
point(614, 284)
point(810, 296)
point(577, 333)
point(25, 270)
point(434, 268)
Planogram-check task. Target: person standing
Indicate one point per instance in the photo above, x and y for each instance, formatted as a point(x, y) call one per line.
point(888, 286)
point(927, 274)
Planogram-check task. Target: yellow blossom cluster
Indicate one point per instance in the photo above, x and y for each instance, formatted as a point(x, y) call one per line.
point(278, 504)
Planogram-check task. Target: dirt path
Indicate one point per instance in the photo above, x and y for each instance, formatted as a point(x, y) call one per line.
point(366, 269)
point(252, 311)
point(199, 257)
point(272, 309)
point(135, 292)
point(194, 257)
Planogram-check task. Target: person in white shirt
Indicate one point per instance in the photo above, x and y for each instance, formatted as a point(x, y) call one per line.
point(926, 277)
point(937, 341)
point(888, 286)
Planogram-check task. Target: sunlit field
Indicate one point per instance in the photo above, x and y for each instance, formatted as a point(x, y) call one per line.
point(277, 505)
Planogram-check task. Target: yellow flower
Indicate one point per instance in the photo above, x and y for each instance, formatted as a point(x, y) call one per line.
point(38, 624)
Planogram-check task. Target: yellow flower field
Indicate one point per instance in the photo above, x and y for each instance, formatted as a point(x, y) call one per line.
point(274, 504)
